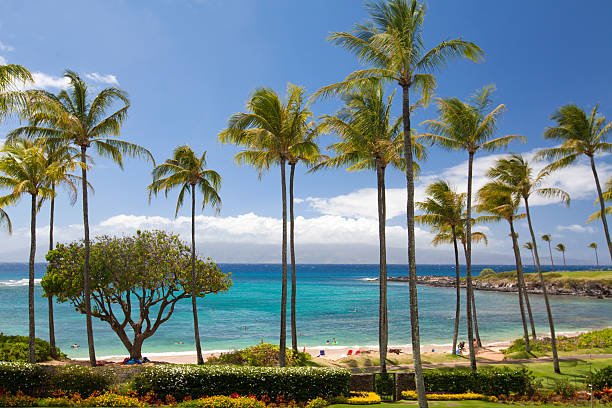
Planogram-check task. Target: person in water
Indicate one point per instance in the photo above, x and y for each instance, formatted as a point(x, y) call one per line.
point(75, 346)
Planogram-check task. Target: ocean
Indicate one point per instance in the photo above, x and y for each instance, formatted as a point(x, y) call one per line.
point(333, 302)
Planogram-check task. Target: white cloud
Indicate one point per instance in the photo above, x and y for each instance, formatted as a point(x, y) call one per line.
point(6, 47)
point(2, 60)
point(46, 81)
point(576, 228)
point(105, 79)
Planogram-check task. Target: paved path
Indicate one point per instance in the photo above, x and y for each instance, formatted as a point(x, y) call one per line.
point(485, 362)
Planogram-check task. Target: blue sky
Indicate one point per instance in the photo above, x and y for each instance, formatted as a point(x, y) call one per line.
point(188, 65)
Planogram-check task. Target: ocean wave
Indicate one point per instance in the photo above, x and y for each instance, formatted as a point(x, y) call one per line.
point(18, 282)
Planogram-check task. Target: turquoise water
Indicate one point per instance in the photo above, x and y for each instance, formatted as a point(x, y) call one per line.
point(333, 301)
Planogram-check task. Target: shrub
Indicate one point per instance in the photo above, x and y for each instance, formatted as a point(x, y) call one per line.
point(223, 402)
point(261, 355)
point(488, 381)
point(597, 339)
point(79, 379)
point(298, 383)
point(487, 272)
point(110, 399)
point(22, 377)
point(412, 395)
point(363, 398)
point(17, 400)
point(564, 388)
point(384, 384)
point(601, 378)
point(538, 346)
point(15, 349)
point(316, 403)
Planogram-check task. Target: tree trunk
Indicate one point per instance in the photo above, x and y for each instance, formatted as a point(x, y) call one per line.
point(552, 263)
point(551, 324)
point(53, 350)
point(294, 341)
point(31, 322)
point(414, 308)
point(528, 304)
point(194, 306)
point(564, 263)
point(596, 257)
point(136, 349)
point(283, 322)
point(468, 263)
point(458, 289)
point(475, 319)
point(383, 328)
point(519, 276)
point(602, 206)
point(86, 288)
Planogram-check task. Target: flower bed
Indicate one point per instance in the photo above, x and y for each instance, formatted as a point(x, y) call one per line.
point(363, 398)
point(412, 395)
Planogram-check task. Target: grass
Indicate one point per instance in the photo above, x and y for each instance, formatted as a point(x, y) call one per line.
point(564, 276)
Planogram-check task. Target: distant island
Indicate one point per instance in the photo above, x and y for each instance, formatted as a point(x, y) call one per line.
point(597, 284)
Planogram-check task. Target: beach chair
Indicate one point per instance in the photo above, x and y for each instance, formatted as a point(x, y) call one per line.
point(350, 353)
point(357, 352)
point(321, 353)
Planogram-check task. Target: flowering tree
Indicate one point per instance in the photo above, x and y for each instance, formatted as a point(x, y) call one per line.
point(135, 281)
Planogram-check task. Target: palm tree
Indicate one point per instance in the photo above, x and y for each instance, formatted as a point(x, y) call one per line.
point(11, 98)
point(69, 156)
point(468, 126)
point(25, 171)
point(515, 173)
point(561, 248)
point(188, 172)
point(607, 196)
point(547, 238)
point(594, 246)
point(271, 132)
point(529, 246)
point(444, 207)
point(72, 118)
point(370, 140)
point(497, 201)
point(392, 43)
point(580, 135)
point(4, 219)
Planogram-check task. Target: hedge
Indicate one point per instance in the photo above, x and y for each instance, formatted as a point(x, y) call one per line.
point(33, 379)
point(488, 381)
point(298, 383)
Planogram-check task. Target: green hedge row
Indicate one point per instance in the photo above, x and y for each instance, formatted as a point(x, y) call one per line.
point(33, 379)
point(298, 383)
point(488, 381)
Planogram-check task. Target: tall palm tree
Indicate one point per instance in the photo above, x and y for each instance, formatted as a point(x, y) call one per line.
point(607, 196)
point(370, 140)
point(515, 173)
point(69, 156)
point(74, 118)
point(25, 171)
point(497, 201)
point(468, 126)
point(444, 207)
point(547, 238)
point(187, 171)
point(391, 42)
point(529, 246)
point(271, 132)
point(11, 98)
point(594, 246)
point(561, 248)
point(580, 134)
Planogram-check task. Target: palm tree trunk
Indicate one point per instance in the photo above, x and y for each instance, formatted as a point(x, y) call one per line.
point(519, 276)
point(473, 303)
point(86, 288)
point(527, 303)
point(382, 281)
point(564, 264)
point(458, 289)
point(50, 297)
point(194, 306)
point(414, 307)
point(551, 324)
point(596, 257)
point(468, 262)
point(294, 341)
point(32, 325)
point(552, 263)
point(602, 205)
point(283, 322)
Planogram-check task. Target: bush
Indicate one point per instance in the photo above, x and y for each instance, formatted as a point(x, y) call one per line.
point(363, 398)
point(316, 403)
point(17, 400)
point(384, 384)
point(16, 349)
point(22, 377)
point(261, 355)
point(298, 383)
point(223, 402)
point(564, 388)
point(487, 272)
point(597, 339)
point(79, 379)
point(488, 381)
point(601, 378)
point(110, 399)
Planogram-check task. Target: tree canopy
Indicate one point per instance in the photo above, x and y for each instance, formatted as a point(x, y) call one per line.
point(135, 281)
